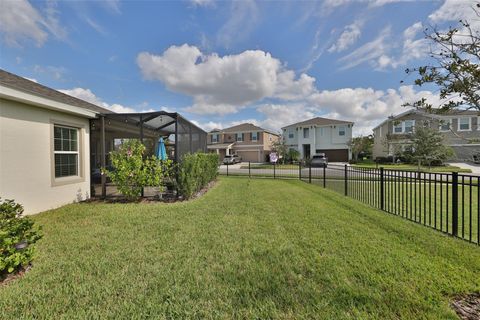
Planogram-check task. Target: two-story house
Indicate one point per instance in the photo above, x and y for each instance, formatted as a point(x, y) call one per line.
point(460, 129)
point(250, 142)
point(320, 135)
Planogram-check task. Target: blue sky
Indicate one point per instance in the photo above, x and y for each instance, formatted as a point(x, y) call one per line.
point(221, 63)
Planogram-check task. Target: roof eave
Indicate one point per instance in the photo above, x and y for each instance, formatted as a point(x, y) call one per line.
point(31, 99)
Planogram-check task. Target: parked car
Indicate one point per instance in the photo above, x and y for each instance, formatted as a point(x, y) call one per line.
point(232, 159)
point(319, 160)
point(476, 158)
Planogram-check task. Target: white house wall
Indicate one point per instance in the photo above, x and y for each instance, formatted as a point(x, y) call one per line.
point(320, 137)
point(26, 157)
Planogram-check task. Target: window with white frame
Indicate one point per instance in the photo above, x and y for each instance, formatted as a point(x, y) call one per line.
point(464, 124)
point(254, 136)
point(240, 137)
point(290, 134)
point(445, 124)
point(409, 125)
point(306, 133)
point(341, 130)
point(66, 152)
point(215, 137)
point(397, 127)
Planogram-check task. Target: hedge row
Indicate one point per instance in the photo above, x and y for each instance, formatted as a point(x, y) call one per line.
point(195, 171)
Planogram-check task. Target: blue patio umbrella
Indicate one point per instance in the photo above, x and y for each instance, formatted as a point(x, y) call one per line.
point(161, 151)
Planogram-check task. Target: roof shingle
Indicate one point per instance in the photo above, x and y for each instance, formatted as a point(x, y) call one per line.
point(13, 81)
point(319, 121)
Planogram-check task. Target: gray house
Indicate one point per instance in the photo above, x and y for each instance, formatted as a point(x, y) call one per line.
point(461, 130)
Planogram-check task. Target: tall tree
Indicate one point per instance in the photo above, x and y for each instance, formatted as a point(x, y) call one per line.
point(361, 144)
point(456, 69)
point(427, 146)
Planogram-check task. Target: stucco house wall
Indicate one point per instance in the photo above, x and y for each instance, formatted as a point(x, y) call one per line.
point(26, 157)
point(321, 137)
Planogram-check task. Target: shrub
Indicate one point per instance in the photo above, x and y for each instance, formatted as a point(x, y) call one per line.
point(195, 171)
point(293, 155)
point(17, 236)
point(131, 171)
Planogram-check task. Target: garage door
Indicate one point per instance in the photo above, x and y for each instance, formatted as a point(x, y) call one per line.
point(335, 155)
point(249, 156)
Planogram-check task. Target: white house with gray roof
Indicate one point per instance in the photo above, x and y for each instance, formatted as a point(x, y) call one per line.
point(320, 135)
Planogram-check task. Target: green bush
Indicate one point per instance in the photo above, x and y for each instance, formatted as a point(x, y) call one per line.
point(195, 171)
point(131, 171)
point(17, 236)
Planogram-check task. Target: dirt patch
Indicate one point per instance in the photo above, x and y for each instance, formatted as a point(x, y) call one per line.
point(13, 276)
point(168, 197)
point(467, 306)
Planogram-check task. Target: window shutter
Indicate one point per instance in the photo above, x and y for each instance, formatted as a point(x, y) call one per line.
point(243, 136)
point(251, 136)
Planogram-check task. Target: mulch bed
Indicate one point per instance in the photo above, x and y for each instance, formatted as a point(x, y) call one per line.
point(13, 276)
point(168, 197)
point(467, 306)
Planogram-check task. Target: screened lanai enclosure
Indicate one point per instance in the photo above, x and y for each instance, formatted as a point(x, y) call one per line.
point(109, 131)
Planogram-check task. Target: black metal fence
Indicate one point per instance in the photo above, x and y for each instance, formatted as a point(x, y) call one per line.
point(448, 202)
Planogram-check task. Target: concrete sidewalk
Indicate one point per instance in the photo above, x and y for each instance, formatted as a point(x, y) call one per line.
point(474, 167)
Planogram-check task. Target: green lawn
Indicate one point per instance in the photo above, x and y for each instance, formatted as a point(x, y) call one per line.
point(249, 249)
point(409, 167)
point(418, 201)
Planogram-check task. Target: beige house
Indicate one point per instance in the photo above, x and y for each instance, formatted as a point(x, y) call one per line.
point(460, 129)
point(250, 142)
point(53, 145)
point(44, 144)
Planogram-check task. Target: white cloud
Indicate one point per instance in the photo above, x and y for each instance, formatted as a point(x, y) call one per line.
point(96, 26)
point(20, 22)
point(240, 23)
point(89, 96)
point(280, 115)
point(369, 52)
point(391, 51)
point(56, 73)
point(208, 126)
point(202, 3)
point(366, 106)
point(222, 85)
point(455, 10)
point(349, 36)
point(112, 5)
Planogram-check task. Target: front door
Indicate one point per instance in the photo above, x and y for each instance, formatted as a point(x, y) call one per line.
point(306, 151)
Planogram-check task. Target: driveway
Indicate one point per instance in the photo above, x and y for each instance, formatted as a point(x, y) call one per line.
point(474, 167)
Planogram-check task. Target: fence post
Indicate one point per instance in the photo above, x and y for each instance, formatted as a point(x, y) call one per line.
point(454, 203)
point(299, 170)
point(227, 169)
point(249, 175)
point(346, 181)
point(274, 170)
point(382, 190)
point(310, 172)
point(324, 175)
